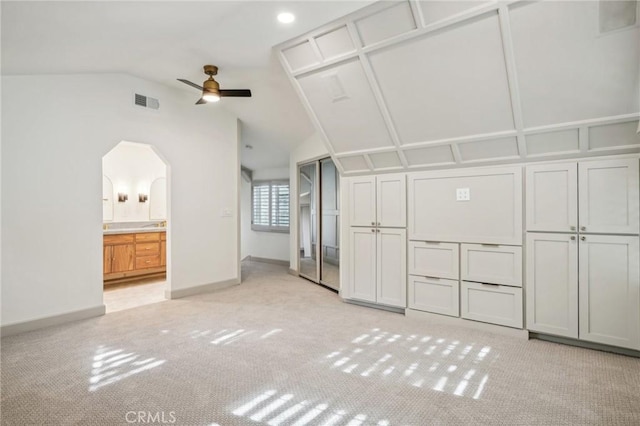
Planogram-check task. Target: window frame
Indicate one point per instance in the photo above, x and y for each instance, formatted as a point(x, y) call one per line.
point(270, 228)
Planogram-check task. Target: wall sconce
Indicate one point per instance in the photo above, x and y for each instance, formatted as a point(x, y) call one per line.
point(143, 198)
point(122, 197)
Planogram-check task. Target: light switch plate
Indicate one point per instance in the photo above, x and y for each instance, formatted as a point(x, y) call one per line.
point(463, 194)
point(226, 213)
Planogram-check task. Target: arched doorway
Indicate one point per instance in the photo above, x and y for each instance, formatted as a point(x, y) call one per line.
point(135, 226)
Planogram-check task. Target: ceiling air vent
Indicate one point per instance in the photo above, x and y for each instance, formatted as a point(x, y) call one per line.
point(146, 102)
point(615, 15)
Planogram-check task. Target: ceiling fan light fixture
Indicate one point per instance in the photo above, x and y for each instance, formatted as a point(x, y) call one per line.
point(211, 97)
point(286, 17)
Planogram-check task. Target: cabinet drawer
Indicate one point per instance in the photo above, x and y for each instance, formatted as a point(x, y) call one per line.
point(146, 249)
point(495, 304)
point(143, 262)
point(433, 259)
point(117, 239)
point(437, 295)
point(163, 236)
point(491, 264)
point(148, 236)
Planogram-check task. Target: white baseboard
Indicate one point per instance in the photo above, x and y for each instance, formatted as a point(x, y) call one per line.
point(268, 260)
point(443, 319)
point(23, 327)
point(293, 272)
point(199, 289)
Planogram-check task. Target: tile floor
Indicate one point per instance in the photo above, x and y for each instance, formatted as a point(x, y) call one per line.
point(118, 297)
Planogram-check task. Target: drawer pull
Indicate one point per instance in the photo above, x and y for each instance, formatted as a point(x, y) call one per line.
point(148, 261)
point(496, 285)
point(490, 245)
point(432, 242)
point(432, 278)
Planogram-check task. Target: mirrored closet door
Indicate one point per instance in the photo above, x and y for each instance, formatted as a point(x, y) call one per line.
point(319, 222)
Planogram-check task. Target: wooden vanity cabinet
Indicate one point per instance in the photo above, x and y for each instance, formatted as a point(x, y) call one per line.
point(118, 253)
point(130, 256)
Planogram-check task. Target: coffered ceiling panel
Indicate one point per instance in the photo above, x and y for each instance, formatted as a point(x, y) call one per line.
point(441, 84)
point(447, 84)
point(553, 142)
point(384, 24)
point(566, 69)
point(353, 164)
point(346, 108)
point(434, 11)
point(430, 155)
point(489, 149)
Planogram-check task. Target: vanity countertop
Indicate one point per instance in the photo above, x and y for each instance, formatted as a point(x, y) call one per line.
point(134, 230)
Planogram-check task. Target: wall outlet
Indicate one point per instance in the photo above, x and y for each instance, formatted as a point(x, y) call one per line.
point(463, 194)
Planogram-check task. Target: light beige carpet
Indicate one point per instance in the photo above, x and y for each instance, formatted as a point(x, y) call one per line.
point(278, 350)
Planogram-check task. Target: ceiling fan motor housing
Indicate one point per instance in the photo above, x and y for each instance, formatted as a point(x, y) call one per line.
point(211, 86)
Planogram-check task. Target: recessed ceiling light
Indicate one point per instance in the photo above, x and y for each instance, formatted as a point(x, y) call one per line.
point(286, 17)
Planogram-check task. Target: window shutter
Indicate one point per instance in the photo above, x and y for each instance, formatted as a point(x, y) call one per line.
point(261, 205)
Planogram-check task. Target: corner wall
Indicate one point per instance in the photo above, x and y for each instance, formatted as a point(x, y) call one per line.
point(266, 245)
point(52, 180)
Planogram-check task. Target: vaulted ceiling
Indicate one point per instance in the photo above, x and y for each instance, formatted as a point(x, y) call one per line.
point(439, 84)
point(164, 40)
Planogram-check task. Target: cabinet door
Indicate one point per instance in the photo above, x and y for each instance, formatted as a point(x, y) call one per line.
point(552, 284)
point(362, 285)
point(392, 201)
point(123, 258)
point(610, 290)
point(391, 267)
point(609, 196)
point(552, 197)
point(163, 253)
point(362, 201)
point(106, 259)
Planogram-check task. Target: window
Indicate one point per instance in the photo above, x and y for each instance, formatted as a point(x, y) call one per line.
point(270, 206)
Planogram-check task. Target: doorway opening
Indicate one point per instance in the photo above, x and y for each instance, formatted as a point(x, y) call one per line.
point(135, 224)
point(319, 222)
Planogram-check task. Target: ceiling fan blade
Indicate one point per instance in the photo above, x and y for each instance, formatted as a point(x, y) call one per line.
point(239, 93)
point(201, 101)
point(188, 83)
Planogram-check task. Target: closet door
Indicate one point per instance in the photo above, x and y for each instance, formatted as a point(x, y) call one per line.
point(392, 267)
point(609, 196)
point(552, 197)
point(552, 284)
point(362, 260)
point(610, 290)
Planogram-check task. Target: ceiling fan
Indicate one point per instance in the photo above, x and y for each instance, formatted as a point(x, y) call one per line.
point(211, 91)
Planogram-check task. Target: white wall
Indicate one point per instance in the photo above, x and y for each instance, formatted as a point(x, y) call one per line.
point(311, 149)
point(270, 245)
point(52, 213)
point(131, 167)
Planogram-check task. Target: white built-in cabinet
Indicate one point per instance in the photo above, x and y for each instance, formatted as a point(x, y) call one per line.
point(582, 251)
point(378, 201)
point(604, 191)
point(377, 240)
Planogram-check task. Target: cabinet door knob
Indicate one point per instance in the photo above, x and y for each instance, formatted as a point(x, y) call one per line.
point(378, 223)
point(573, 228)
point(573, 238)
point(377, 230)
point(583, 238)
point(583, 228)
point(373, 224)
point(373, 230)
